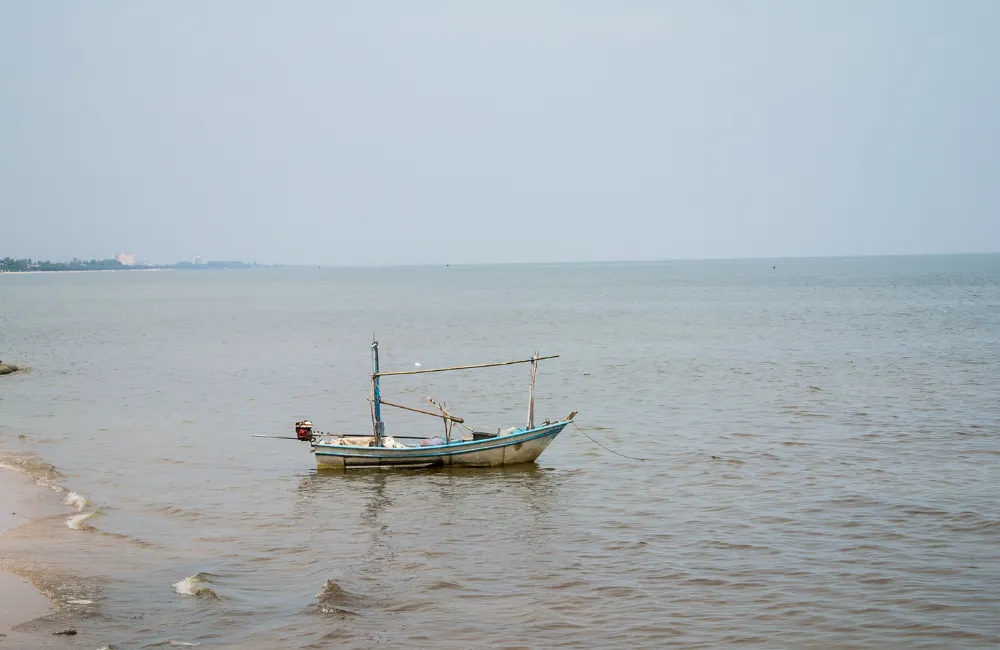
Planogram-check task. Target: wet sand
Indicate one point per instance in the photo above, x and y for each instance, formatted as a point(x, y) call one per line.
point(20, 501)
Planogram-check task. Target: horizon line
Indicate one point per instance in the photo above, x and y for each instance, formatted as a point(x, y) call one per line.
point(557, 263)
point(634, 261)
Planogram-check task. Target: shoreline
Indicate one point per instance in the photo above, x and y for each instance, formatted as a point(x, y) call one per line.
point(21, 500)
point(3, 273)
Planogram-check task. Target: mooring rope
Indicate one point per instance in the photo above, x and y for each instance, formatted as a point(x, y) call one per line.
point(602, 446)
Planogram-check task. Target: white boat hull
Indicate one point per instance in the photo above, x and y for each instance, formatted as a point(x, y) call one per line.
point(521, 447)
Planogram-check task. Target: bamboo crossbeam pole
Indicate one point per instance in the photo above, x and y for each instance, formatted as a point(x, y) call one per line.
point(415, 410)
point(480, 365)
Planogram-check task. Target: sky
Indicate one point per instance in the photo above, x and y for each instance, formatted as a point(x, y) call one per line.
point(382, 133)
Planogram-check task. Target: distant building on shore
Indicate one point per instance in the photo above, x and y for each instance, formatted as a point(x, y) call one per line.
point(126, 259)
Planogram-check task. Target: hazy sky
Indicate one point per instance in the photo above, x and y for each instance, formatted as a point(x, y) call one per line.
point(425, 132)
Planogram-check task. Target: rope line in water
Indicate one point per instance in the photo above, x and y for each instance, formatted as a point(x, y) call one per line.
point(602, 446)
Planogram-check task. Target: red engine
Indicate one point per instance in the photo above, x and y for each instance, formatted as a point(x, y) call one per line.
point(304, 430)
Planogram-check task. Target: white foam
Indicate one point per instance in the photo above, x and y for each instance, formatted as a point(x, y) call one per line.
point(196, 585)
point(77, 501)
point(80, 602)
point(187, 586)
point(76, 521)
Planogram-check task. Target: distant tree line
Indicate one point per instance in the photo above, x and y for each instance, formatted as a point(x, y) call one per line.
point(27, 264)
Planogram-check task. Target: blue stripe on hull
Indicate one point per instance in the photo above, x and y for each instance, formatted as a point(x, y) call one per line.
point(428, 455)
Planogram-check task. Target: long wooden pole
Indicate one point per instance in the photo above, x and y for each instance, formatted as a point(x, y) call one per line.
point(415, 410)
point(480, 365)
point(378, 427)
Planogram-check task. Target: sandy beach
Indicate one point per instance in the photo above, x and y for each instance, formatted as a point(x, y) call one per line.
point(20, 500)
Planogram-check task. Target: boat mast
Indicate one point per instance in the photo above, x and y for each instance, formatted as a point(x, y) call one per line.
point(531, 391)
point(378, 426)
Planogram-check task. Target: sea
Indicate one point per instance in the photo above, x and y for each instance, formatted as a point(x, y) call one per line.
point(788, 453)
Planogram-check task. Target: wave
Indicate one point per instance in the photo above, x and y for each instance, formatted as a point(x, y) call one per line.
point(46, 475)
point(77, 501)
point(173, 512)
point(80, 502)
point(196, 586)
point(76, 522)
point(27, 463)
point(334, 599)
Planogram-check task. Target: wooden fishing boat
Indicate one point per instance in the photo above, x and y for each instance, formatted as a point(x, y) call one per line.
point(470, 449)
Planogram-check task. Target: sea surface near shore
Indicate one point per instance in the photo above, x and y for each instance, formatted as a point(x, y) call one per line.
point(21, 500)
point(821, 436)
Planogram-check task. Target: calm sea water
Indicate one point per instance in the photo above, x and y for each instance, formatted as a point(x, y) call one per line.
point(822, 441)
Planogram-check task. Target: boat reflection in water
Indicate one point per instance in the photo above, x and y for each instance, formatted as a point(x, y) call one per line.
point(415, 544)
